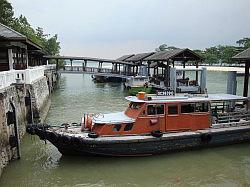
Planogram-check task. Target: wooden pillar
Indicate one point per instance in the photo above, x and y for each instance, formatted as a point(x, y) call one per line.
point(168, 74)
point(157, 71)
point(119, 68)
point(149, 68)
point(196, 74)
point(184, 65)
point(246, 79)
point(57, 64)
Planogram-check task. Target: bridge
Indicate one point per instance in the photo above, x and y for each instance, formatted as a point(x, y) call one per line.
point(119, 68)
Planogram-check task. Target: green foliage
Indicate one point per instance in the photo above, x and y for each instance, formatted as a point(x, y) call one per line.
point(245, 42)
point(217, 54)
point(6, 12)
point(50, 45)
point(165, 47)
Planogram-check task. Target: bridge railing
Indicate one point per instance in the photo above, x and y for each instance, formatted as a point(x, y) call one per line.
point(95, 70)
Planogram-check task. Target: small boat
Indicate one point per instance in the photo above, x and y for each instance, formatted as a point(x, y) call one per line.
point(138, 84)
point(155, 124)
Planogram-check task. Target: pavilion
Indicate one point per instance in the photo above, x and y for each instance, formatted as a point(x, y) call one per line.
point(17, 51)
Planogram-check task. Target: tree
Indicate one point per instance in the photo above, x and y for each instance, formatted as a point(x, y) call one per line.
point(50, 45)
point(165, 47)
point(6, 12)
point(245, 42)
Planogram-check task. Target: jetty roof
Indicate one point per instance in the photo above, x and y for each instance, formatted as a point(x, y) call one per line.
point(6, 33)
point(242, 56)
point(139, 57)
point(124, 57)
point(175, 55)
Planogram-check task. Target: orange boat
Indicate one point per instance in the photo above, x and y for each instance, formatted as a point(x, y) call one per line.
point(154, 124)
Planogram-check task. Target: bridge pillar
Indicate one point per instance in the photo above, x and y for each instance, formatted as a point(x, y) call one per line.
point(71, 66)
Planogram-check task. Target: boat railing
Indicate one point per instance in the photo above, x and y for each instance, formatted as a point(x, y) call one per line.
point(233, 117)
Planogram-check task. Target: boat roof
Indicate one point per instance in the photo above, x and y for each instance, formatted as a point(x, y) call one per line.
point(186, 98)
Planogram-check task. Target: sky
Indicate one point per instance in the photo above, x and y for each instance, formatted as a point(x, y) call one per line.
point(112, 28)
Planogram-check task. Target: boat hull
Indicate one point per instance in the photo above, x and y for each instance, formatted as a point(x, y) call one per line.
point(147, 145)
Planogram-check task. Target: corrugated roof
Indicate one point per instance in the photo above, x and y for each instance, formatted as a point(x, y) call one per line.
point(124, 57)
point(244, 55)
point(139, 57)
point(9, 33)
point(175, 54)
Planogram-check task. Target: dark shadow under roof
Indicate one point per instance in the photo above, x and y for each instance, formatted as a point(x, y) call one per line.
point(139, 57)
point(175, 55)
point(242, 56)
point(124, 57)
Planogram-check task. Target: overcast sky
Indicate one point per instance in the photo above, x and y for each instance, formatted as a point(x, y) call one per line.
point(111, 28)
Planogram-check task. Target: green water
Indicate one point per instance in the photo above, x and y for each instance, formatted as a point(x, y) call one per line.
point(42, 165)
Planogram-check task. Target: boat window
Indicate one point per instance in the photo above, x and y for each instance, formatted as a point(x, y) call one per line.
point(128, 127)
point(155, 109)
point(201, 107)
point(151, 110)
point(117, 127)
point(159, 109)
point(173, 109)
point(187, 108)
point(135, 106)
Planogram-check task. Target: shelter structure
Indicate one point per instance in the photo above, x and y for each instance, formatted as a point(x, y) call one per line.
point(16, 50)
point(137, 60)
point(164, 59)
point(244, 57)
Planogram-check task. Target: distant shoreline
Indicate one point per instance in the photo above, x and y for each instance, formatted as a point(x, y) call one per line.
point(220, 68)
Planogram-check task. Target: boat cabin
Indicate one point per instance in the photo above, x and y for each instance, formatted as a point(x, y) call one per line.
point(170, 114)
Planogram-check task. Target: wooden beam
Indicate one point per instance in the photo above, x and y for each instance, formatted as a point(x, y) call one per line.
point(246, 79)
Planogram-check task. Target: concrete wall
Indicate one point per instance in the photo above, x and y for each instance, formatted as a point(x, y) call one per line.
point(39, 92)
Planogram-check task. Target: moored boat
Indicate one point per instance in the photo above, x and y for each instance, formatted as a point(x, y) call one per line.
point(155, 124)
point(138, 84)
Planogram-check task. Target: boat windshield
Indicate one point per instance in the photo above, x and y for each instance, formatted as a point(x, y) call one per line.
point(135, 106)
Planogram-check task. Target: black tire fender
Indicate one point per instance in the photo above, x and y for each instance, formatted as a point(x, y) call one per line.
point(206, 137)
point(156, 133)
point(92, 135)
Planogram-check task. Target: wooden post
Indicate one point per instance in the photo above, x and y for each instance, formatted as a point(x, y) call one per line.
point(149, 68)
point(246, 79)
point(168, 74)
point(196, 74)
point(184, 65)
point(157, 71)
point(57, 64)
